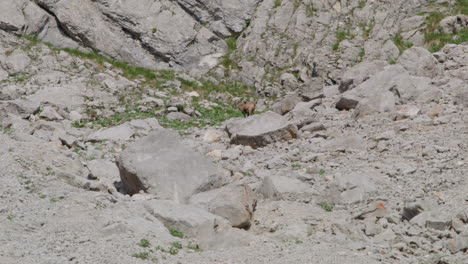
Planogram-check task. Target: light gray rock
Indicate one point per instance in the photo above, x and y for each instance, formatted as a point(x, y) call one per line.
point(384, 90)
point(16, 61)
point(50, 113)
point(407, 111)
point(160, 164)
point(178, 116)
point(453, 24)
point(419, 62)
point(212, 136)
point(286, 104)
point(267, 189)
point(356, 187)
point(260, 130)
point(458, 244)
point(118, 133)
point(360, 73)
point(22, 108)
point(210, 231)
point(231, 153)
point(235, 203)
point(313, 127)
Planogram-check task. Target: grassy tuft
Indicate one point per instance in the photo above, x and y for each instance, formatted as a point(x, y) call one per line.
point(401, 44)
point(325, 206)
point(175, 233)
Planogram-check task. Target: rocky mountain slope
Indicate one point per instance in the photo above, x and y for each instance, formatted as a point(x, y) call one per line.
point(121, 142)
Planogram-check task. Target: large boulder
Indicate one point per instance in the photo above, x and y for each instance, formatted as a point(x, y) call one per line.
point(420, 62)
point(360, 73)
point(210, 231)
point(260, 130)
point(286, 104)
point(162, 165)
point(381, 92)
point(235, 203)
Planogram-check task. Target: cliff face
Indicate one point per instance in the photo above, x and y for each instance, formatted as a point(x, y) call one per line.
point(273, 44)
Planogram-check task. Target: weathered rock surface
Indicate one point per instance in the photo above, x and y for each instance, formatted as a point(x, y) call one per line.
point(161, 165)
point(260, 130)
point(235, 203)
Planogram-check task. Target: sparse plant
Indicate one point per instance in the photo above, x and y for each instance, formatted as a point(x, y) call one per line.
point(141, 255)
point(175, 233)
point(325, 206)
point(296, 166)
point(176, 245)
point(144, 243)
point(10, 217)
point(401, 44)
point(361, 4)
point(321, 172)
point(310, 10)
point(277, 3)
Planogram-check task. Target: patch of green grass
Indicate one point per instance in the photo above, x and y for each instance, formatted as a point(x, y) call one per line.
point(461, 7)
point(321, 172)
point(10, 217)
point(141, 255)
point(433, 36)
point(54, 200)
point(361, 4)
point(194, 248)
point(19, 77)
point(175, 233)
point(248, 174)
point(299, 241)
point(144, 243)
point(176, 245)
point(310, 10)
point(226, 60)
point(277, 3)
point(210, 117)
point(366, 29)
point(296, 166)
point(401, 44)
point(325, 206)
point(340, 36)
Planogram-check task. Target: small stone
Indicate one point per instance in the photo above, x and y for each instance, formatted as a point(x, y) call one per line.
point(212, 136)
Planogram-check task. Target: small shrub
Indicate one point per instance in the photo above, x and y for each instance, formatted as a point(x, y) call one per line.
point(401, 44)
point(144, 243)
point(296, 166)
point(176, 245)
point(310, 10)
point(325, 206)
point(141, 255)
point(175, 233)
point(277, 3)
point(361, 4)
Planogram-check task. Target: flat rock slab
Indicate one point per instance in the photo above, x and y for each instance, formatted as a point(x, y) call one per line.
point(260, 130)
point(160, 164)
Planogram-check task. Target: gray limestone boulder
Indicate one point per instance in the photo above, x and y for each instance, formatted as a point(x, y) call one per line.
point(286, 104)
point(235, 203)
point(420, 62)
point(162, 165)
point(120, 132)
point(210, 231)
point(384, 90)
point(453, 24)
point(178, 116)
point(260, 130)
point(360, 73)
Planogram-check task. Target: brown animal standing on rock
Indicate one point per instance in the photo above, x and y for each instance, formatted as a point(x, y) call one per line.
point(247, 108)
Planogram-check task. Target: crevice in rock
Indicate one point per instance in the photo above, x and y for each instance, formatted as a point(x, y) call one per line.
point(137, 37)
point(64, 30)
